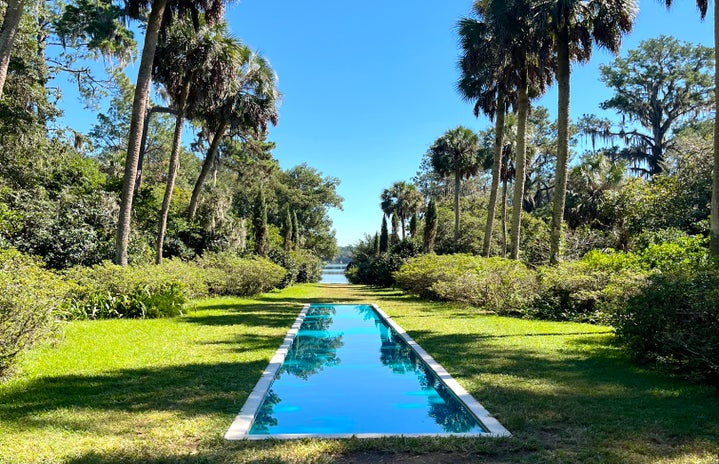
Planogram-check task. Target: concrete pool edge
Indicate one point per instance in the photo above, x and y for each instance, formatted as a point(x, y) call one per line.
point(240, 427)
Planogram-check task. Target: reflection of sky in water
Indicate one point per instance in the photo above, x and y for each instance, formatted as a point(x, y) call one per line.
point(348, 372)
point(333, 274)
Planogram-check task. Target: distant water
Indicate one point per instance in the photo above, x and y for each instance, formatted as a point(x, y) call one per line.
point(334, 274)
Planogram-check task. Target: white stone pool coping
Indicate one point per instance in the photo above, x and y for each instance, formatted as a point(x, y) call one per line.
point(240, 428)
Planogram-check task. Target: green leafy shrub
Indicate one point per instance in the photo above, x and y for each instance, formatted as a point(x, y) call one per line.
point(310, 267)
point(111, 291)
point(496, 284)
point(30, 296)
point(228, 274)
point(189, 274)
point(301, 266)
point(584, 290)
point(287, 260)
point(682, 252)
point(369, 268)
point(674, 321)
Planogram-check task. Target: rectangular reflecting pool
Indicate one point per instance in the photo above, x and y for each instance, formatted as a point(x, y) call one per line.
point(349, 370)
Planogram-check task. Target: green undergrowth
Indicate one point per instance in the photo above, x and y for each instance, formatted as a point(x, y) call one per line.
point(165, 390)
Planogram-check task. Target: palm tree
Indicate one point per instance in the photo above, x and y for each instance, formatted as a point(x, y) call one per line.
point(587, 186)
point(456, 153)
point(530, 66)
point(402, 199)
point(714, 205)
point(244, 110)
point(573, 25)
point(162, 13)
point(194, 63)
point(486, 79)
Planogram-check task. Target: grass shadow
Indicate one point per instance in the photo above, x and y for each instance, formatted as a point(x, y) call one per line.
point(576, 399)
point(191, 390)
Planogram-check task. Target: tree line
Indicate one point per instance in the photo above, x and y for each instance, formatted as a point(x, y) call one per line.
point(648, 172)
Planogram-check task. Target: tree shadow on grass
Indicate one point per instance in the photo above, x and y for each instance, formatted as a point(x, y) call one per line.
point(253, 315)
point(585, 399)
point(191, 390)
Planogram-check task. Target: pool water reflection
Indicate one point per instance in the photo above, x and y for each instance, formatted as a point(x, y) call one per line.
point(348, 372)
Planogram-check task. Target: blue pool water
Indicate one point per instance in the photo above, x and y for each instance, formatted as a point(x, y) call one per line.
point(348, 372)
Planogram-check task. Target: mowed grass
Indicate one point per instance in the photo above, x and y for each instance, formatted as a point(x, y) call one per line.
point(165, 391)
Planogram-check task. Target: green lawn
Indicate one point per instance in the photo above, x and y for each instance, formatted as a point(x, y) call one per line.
point(165, 391)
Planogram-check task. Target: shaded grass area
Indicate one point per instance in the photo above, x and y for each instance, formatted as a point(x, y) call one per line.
point(165, 391)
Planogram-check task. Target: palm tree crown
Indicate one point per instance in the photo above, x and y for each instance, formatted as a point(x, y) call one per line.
point(456, 152)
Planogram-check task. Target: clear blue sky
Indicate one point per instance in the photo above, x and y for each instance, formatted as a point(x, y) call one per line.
point(369, 85)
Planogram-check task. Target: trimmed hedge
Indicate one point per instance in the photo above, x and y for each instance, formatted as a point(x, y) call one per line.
point(228, 274)
point(495, 284)
point(111, 291)
point(587, 289)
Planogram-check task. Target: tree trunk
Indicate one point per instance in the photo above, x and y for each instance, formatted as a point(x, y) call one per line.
point(206, 168)
point(8, 31)
point(172, 171)
point(560, 184)
point(504, 218)
point(457, 181)
point(522, 108)
point(496, 168)
point(714, 212)
point(143, 141)
point(139, 104)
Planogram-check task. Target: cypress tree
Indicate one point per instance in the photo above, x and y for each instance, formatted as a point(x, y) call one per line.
point(295, 231)
point(413, 225)
point(394, 238)
point(384, 236)
point(287, 232)
point(260, 224)
point(430, 227)
point(375, 244)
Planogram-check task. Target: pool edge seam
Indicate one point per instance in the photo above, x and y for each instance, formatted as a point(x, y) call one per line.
point(493, 426)
point(240, 427)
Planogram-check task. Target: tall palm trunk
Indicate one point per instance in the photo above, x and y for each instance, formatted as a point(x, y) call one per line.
point(560, 183)
point(139, 105)
point(522, 110)
point(143, 141)
point(172, 171)
point(10, 26)
point(714, 211)
point(496, 170)
point(505, 181)
point(206, 167)
point(457, 183)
